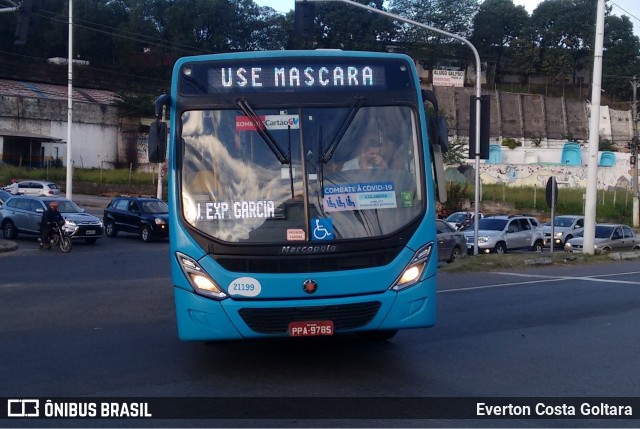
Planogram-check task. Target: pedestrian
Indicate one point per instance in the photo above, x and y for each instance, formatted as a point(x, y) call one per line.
point(13, 187)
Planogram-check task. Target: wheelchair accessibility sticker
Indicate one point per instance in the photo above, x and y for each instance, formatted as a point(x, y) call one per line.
point(359, 196)
point(322, 229)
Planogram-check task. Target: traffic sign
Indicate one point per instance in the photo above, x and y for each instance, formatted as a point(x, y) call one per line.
point(552, 192)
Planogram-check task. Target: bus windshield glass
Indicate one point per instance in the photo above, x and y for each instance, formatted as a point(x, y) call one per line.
point(236, 188)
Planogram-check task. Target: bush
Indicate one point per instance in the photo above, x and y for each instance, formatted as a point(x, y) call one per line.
point(511, 143)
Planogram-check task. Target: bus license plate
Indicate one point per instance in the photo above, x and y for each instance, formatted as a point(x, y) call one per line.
point(310, 329)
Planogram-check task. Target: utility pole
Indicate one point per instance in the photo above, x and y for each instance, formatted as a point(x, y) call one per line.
point(634, 155)
point(594, 125)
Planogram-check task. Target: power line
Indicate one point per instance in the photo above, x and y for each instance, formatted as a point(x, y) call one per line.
point(630, 14)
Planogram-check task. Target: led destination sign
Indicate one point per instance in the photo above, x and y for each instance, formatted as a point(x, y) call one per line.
point(290, 75)
point(255, 75)
point(295, 77)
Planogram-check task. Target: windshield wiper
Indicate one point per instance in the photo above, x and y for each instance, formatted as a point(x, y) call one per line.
point(264, 133)
point(357, 103)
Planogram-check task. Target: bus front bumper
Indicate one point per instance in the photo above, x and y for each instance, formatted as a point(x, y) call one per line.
point(204, 319)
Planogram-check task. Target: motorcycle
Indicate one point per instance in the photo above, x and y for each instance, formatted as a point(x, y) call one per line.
point(58, 237)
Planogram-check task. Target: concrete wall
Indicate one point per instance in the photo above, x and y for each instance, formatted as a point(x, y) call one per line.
point(527, 117)
point(94, 133)
point(533, 167)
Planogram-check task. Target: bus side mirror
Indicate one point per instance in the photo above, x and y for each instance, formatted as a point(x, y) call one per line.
point(436, 124)
point(438, 144)
point(157, 146)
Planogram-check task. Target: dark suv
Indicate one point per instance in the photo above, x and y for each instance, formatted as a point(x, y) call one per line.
point(146, 216)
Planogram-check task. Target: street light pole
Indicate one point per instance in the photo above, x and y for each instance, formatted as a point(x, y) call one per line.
point(477, 98)
point(634, 156)
point(68, 190)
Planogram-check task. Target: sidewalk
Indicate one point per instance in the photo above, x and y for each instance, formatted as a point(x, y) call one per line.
point(84, 200)
point(7, 246)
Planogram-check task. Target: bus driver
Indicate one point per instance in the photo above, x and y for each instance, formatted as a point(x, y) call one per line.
point(370, 157)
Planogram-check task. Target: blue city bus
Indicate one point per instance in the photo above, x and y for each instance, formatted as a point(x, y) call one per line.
point(301, 193)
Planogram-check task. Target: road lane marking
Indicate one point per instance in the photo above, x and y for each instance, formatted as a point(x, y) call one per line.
point(543, 278)
point(493, 286)
point(594, 278)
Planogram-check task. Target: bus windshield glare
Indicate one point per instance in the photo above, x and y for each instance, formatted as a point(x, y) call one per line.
point(236, 190)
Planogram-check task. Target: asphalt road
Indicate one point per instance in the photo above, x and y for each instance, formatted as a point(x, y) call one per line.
point(99, 322)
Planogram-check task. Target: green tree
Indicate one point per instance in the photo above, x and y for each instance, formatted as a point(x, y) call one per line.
point(345, 27)
point(454, 16)
point(496, 25)
point(524, 57)
point(567, 25)
point(457, 154)
point(620, 59)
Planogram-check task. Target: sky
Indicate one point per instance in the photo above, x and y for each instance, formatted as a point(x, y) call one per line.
point(631, 8)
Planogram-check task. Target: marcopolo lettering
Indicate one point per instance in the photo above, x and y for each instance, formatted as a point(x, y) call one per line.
point(293, 250)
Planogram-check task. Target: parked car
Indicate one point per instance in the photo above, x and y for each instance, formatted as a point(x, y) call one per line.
point(457, 220)
point(38, 187)
point(4, 196)
point(146, 216)
point(451, 243)
point(22, 215)
point(506, 232)
point(608, 237)
point(565, 227)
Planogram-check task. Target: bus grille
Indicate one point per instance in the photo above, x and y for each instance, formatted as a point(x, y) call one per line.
point(276, 320)
point(307, 264)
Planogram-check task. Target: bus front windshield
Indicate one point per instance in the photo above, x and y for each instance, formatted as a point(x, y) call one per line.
point(300, 175)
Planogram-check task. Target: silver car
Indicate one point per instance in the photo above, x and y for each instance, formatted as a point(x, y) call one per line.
point(502, 233)
point(565, 227)
point(41, 188)
point(608, 237)
point(4, 196)
point(23, 214)
point(451, 243)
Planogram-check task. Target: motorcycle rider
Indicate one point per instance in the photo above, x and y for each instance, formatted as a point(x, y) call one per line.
point(49, 218)
point(468, 221)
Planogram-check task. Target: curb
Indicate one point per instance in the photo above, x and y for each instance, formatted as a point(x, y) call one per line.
point(7, 246)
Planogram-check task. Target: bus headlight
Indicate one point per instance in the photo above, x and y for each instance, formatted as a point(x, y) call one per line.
point(200, 281)
point(413, 271)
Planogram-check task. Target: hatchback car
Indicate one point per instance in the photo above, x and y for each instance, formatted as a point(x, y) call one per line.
point(501, 233)
point(22, 215)
point(146, 216)
point(608, 237)
point(565, 227)
point(38, 187)
point(451, 243)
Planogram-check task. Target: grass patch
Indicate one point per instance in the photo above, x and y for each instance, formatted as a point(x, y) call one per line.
point(493, 262)
point(611, 206)
point(117, 176)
